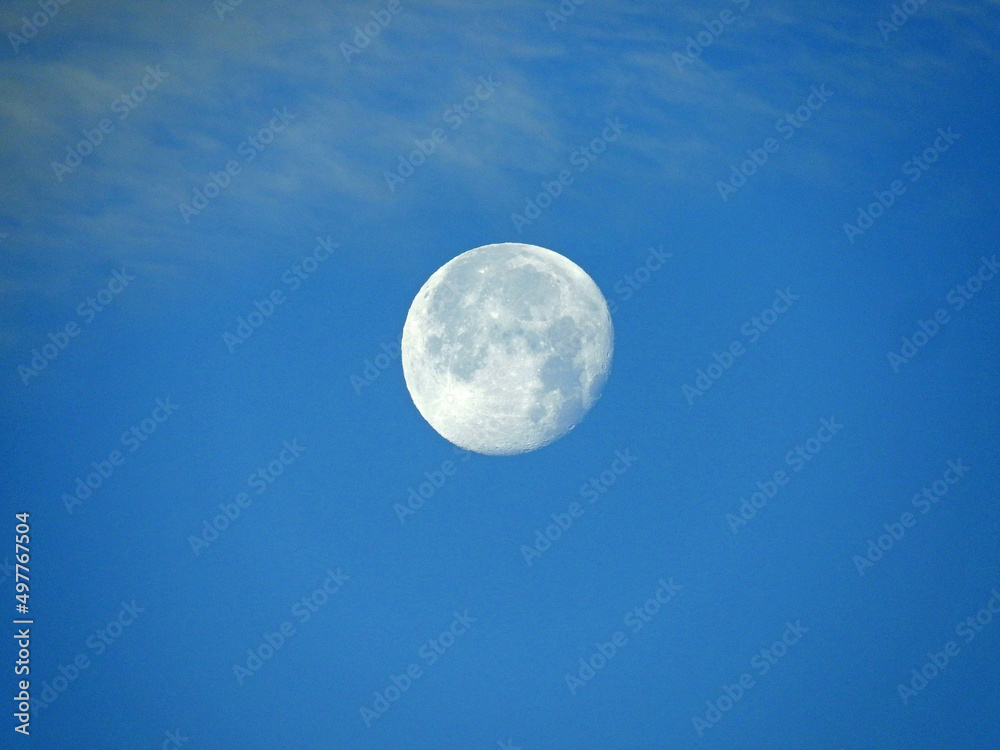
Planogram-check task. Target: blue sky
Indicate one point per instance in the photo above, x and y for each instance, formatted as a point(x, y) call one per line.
point(773, 343)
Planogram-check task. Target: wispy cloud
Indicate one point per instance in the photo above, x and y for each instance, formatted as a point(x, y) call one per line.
point(354, 118)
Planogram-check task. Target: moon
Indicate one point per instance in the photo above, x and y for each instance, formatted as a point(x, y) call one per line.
point(506, 348)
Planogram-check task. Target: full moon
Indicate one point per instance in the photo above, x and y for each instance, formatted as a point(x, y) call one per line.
point(506, 348)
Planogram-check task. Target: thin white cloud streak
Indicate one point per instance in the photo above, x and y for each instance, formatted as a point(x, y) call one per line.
point(354, 119)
